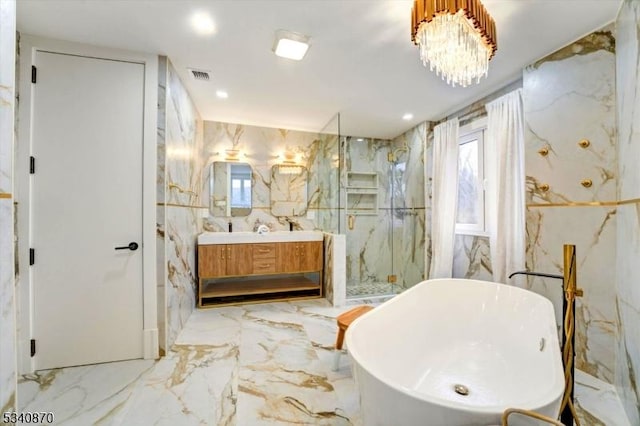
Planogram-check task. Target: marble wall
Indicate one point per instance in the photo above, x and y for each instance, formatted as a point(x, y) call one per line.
point(569, 96)
point(180, 207)
point(627, 349)
point(334, 282)
point(472, 257)
point(161, 256)
point(263, 148)
point(8, 348)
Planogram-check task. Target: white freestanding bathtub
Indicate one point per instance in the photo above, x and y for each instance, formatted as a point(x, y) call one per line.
point(497, 343)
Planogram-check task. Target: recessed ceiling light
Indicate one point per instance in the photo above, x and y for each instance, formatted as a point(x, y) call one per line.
point(290, 45)
point(222, 94)
point(202, 23)
point(359, 140)
point(407, 117)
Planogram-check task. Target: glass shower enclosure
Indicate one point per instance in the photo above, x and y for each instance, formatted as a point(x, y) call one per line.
point(382, 214)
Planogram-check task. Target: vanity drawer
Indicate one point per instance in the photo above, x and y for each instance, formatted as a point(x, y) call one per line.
point(264, 251)
point(264, 266)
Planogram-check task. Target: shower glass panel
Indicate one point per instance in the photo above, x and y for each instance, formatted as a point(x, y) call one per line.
point(327, 160)
point(368, 216)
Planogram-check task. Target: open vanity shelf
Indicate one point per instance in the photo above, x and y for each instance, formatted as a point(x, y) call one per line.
point(242, 272)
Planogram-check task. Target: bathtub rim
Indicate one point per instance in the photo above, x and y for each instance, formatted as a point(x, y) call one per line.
point(556, 388)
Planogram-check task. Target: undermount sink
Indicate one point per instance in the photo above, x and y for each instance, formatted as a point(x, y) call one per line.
point(254, 237)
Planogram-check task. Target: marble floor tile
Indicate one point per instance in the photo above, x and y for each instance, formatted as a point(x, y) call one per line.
point(82, 395)
point(240, 365)
point(262, 364)
point(598, 402)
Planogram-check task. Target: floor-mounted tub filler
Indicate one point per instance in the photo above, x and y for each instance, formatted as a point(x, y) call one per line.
point(456, 352)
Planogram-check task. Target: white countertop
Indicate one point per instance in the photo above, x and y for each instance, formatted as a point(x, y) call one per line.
point(254, 237)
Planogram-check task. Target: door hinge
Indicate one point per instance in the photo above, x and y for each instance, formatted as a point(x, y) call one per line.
point(32, 165)
point(32, 256)
point(34, 73)
point(33, 347)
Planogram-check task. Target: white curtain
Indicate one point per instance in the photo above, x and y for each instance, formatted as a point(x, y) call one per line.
point(506, 185)
point(444, 198)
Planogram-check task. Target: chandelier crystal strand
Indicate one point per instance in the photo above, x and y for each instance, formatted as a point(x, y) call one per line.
point(456, 38)
point(454, 49)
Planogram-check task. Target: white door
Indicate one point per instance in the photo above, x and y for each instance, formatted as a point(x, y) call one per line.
point(86, 201)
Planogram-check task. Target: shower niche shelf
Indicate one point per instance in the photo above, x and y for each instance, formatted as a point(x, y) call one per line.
point(362, 202)
point(362, 180)
point(362, 193)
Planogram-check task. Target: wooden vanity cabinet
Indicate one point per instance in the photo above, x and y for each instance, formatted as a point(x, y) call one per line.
point(299, 256)
point(237, 273)
point(220, 260)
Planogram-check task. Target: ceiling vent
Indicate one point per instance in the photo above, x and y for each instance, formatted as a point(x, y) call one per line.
point(200, 74)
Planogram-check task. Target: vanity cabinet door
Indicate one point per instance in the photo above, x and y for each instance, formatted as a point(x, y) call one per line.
point(310, 256)
point(287, 259)
point(239, 259)
point(299, 257)
point(212, 260)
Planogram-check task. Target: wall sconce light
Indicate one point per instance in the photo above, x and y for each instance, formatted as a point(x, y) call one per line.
point(289, 165)
point(285, 169)
point(231, 154)
point(289, 157)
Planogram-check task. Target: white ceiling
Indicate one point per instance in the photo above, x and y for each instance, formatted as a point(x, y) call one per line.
point(361, 62)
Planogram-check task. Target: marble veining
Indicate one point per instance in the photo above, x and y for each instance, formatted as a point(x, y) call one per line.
point(627, 348)
point(7, 279)
point(335, 269)
point(570, 96)
point(161, 265)
point(237, 365)
point(472, 258)
point(598, 402)
point(599, 40)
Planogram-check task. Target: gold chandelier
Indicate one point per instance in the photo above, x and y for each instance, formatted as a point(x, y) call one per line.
point(456, 37)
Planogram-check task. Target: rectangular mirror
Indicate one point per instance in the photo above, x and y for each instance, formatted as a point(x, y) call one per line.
point(230, 189)
point(288, 190)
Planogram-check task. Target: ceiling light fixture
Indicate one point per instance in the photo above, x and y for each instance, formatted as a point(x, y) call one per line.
point(222, 94)
point(290, 45)
point(407, 117)
point(202, 23)
point(456, 37)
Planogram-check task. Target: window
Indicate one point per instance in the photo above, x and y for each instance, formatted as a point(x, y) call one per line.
point(470, 213)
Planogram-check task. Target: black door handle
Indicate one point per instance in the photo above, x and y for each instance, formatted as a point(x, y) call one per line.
point(132, 246)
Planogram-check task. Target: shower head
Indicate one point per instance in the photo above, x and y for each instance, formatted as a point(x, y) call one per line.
point(392, 156)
